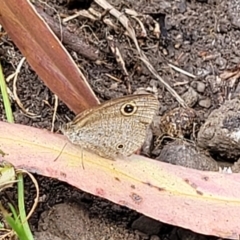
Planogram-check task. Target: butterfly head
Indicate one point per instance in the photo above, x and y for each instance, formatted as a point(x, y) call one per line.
point(66, 128)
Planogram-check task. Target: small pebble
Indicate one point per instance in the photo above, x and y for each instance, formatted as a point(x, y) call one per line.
point(190, 97)
point(182, 6)
point(206, 103)
point(154, 237)
point(200, 87)
point(221, 62)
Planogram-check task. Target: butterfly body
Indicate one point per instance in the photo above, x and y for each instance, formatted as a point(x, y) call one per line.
point(115, 128)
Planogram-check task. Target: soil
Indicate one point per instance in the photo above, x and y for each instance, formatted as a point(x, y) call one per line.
point(200, 37)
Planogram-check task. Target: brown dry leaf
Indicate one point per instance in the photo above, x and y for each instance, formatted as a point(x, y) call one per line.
point(205, 202)
point(45, 53)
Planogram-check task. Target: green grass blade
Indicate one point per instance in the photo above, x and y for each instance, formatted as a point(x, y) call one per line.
point(14, 213)
point(17, 227)
point(14, 222)
point(21, 206)
point(6, 102)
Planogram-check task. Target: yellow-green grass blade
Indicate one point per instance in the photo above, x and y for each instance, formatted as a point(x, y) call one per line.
point(6, 102)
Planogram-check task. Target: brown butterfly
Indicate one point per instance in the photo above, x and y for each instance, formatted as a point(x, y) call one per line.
point(116, 127)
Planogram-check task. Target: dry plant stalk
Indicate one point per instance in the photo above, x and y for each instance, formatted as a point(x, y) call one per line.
point(126, 23)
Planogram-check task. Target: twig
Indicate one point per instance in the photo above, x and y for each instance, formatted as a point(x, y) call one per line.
point(112, 77)
point(71, 40)
point(126, 23)
point(54, 112)
point(83, 13)
point(116, 52)
point(16, 98)
point(143, 32)
point(181, 70)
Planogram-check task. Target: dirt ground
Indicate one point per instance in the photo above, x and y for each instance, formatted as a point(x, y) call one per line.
point(200, 37)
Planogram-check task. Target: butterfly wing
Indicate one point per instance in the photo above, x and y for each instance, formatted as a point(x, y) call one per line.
point(116, 127)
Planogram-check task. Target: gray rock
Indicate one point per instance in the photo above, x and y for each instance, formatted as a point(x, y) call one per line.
point(221, 132)
point(187, 155)
point(184, 234)
point(147, 225)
